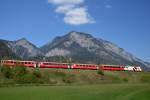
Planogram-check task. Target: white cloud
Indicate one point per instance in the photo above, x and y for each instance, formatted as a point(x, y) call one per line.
point(58, 2)
point(78, 16)
point(64, 8)
point(73, 12)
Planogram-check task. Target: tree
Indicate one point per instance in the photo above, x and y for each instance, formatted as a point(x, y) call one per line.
point(19, 71)
point(101, 73)
point(18, 74)
point(37, 73)
point(7, 72)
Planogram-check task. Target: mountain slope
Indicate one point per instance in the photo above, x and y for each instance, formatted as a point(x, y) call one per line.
point(23, 48)
point(80, 47)
point(5, 51)
point(85, 48)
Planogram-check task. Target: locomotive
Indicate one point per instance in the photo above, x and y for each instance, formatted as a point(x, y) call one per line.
point(34, 64)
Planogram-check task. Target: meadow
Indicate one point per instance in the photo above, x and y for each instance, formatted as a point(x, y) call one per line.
point(60, 84)
point(82, 92)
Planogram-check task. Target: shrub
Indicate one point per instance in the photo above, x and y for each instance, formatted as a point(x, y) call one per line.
point(100, 72)
point(28, 78)
point(69, 79)
point(125, 80)
point(19, 71)
point(6, 71)
point(37, 73)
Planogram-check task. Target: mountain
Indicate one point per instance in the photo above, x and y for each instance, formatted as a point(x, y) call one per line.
point(5, 51)
point(75, 46)
point(84, 48)
point(23, 48)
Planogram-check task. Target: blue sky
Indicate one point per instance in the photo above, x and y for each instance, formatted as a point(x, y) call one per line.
point(123, 22)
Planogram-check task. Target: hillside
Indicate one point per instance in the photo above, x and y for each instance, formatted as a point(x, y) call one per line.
point(62, 84)
point(75, 47)
point(24, 48)
point(5, 51)
point(84, 48)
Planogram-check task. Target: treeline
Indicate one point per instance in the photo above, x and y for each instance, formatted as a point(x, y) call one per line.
point(20, 75)
point(26, 76)
point(23, 75)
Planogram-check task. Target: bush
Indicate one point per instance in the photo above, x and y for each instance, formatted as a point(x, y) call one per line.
point(27, 78)
point(69, 79)
point(19, 71)
point(7, 72)
point(37, 73)
point(100, 72)
point(125, 80)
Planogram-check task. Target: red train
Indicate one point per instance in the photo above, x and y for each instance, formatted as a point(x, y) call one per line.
point(13, 63)
point(34, 64)
point(112, 67)
point(85, 66)
point(53, 65)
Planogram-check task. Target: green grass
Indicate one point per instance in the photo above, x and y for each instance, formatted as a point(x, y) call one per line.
point(88, 92)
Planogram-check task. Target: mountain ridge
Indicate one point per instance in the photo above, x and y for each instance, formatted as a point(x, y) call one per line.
point(80, 46)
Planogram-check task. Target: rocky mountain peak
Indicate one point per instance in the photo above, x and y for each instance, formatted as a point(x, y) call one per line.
point(75, 34)
point(82, 39)
point(22, 39)
point(24, 48)
point(81, 47)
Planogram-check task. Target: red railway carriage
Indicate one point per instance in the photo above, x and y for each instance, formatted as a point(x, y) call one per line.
point(53, 65)
point(85, 66)
point(13, 63)
point(112, 67)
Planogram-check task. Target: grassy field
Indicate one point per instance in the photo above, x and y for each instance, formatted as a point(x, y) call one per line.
point(79, 85)
point(88, 92)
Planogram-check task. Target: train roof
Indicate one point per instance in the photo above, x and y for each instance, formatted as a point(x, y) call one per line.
point(110, 65)
point(84, 64)
point(53, 62)
point(18, 60)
